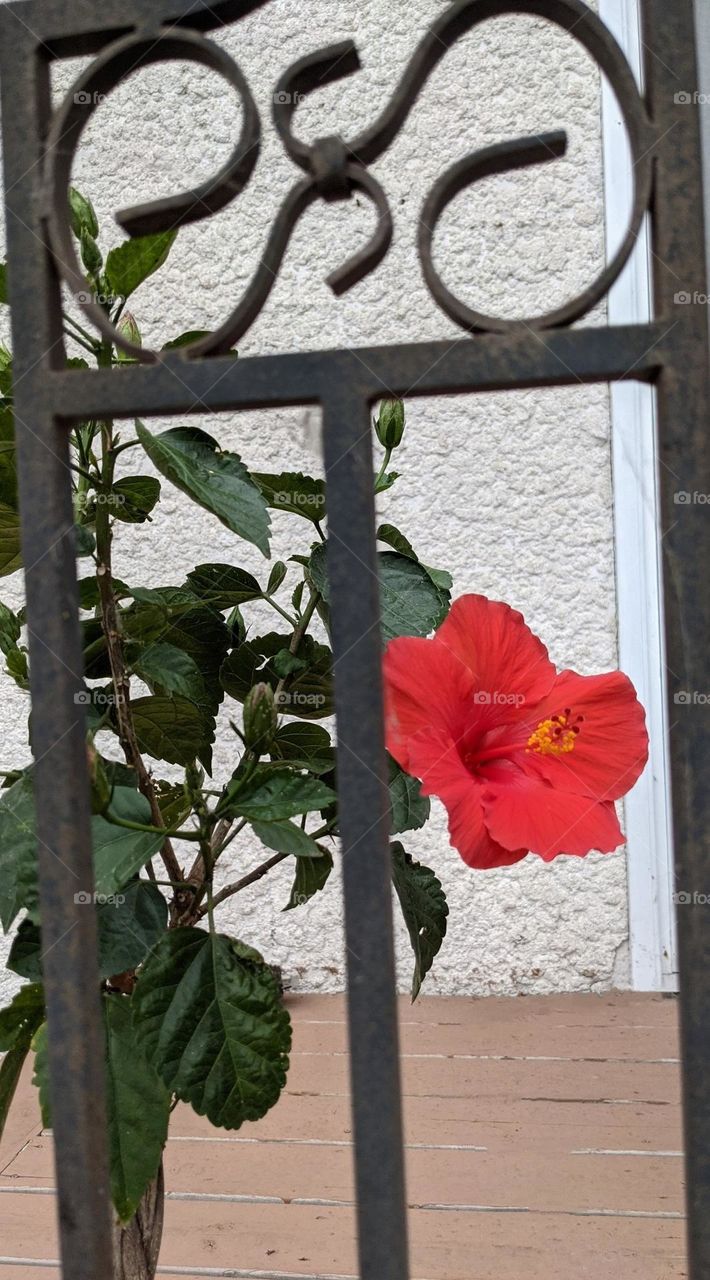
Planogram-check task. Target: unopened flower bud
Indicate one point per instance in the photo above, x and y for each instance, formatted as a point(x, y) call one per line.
point(260, 718)
point(390, 424)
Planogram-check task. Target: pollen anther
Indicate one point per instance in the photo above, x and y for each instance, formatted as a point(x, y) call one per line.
point(554, 737)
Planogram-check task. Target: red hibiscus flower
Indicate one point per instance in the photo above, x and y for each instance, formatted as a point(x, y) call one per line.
point(525, 759)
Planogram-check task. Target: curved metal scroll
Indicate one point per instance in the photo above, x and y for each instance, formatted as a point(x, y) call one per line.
point(334, 167)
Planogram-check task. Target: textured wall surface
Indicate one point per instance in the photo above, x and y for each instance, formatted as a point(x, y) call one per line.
point(511, 492)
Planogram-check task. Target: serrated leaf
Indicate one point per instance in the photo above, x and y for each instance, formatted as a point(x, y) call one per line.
point(304, 746)
point(120, 853)
point(392, 536)
point(223, 585)
point(18, 1024)
point(40, 1076)
point(138, 1109)
point(18, 860)
point(286, 837)
point(410, 810)
point(424, 908)
point(272, 795)
point(19, 1020)
point(410, 602)
point(208, 1014)
point(311, 876)
point(134, 498)
point(219, 482)
point(132, 262)
point(10, 629)
point(307, 693)
point(171, 729)
point(10, 550)
point(184, 340)
point(293, 492)
point(167, 669)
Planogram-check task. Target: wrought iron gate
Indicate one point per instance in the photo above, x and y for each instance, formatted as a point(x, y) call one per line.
point(670, 352)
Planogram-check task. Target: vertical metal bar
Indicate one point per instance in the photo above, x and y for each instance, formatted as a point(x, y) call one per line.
point(70, 964)
point(364, 823)
point(684, 451)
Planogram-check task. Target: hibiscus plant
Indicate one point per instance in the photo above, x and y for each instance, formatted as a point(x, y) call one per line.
point(524, 759)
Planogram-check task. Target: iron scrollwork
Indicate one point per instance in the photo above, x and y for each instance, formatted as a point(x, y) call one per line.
point(333, 167)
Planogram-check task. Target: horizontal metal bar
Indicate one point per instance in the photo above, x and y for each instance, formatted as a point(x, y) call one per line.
point(486, 363)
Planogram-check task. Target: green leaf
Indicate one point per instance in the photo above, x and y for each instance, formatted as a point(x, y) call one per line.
point(138, 1109)
point(167, 669)
point(192, 335)
point(10, 629)
point(385, 482)
point(10, 1072)
point(4, 295)
point(40, 1078)
point(308, 693)
point(411, 604)
point(286, 837)
point(119, 853)
point(285, 663)
point(18, 1024)
point(424, 908)
point(208, 1013)
point(25, 958)
point(293, 492)
point(410, 809)
point(21, 1018)
point(276, 578)
point(217, 481)
point(10, 551)
point(271, 795)
point(132, 262)
point(311, 876)
point(130, 928)
point(134, 498)
point(171, 729)
point(304, 746)
point(223, 585)
point(387, 533)
point(18, 858)
point(85, 541)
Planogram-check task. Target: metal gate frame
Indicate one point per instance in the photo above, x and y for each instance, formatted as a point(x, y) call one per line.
point(671, 352)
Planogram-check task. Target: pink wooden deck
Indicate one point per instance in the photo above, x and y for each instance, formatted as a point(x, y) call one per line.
point(543, 1142)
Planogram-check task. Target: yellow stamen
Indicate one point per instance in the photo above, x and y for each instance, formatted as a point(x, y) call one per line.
point(553, 737)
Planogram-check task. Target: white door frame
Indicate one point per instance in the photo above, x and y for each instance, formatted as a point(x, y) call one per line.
point(638, 560)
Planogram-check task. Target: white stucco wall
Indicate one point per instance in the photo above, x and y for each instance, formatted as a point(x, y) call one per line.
point(512, 493)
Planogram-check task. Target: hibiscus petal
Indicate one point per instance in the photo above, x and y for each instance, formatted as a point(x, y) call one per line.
point(426, 688)
point(611, 749)
point(547, 821)
point(435, 759)
point(494, 643)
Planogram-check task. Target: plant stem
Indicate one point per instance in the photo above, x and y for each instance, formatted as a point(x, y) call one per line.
point(244, 883)
point(293, 622)
point(385, 463)
point(155, 831)
point(114, 644)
